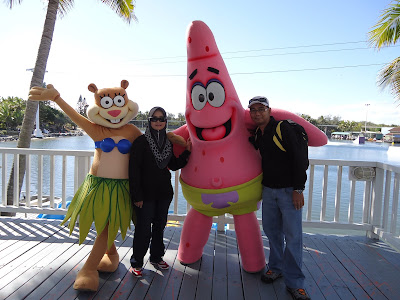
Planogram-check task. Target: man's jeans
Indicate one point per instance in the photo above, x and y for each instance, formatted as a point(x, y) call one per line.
point(282, 222)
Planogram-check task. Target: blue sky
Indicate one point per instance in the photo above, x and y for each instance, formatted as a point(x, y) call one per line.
point(306, 56)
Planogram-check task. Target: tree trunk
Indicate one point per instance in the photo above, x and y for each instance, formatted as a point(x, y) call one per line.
point(24, 140)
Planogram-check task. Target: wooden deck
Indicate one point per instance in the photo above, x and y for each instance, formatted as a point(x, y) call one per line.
point(39, 260)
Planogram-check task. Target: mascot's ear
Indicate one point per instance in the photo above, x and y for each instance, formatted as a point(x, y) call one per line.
point(92, 87)
point(124, 83)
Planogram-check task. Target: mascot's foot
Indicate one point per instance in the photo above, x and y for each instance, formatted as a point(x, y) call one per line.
point(87, 280)
point(189, 258)
point(187, 264)
point(255, 268)
point(109, 263)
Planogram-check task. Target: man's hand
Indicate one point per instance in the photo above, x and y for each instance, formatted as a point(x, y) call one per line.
point(43, 94)
point(298, 200)
point(139, 204)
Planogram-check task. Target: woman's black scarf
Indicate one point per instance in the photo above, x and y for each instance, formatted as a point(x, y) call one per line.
point(158, 141)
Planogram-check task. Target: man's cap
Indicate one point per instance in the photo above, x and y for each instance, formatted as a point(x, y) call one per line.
point(259, 99)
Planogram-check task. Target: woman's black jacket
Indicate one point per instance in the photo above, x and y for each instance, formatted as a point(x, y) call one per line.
point(147, 182)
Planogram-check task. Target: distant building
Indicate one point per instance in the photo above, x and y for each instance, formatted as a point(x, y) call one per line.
point(394, 134)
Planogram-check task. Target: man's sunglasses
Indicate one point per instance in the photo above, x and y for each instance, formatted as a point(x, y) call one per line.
point(155, 119)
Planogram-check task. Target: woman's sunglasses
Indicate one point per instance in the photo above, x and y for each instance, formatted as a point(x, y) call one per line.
point(155, 119)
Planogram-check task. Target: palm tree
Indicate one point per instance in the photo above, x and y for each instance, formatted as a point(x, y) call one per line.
point(123, 8)
point(386, 33)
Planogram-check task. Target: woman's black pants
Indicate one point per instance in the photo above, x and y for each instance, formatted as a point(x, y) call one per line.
point(149, 230)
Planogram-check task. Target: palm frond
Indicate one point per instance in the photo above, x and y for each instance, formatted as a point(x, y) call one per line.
point(64, 7)
point(124, 8)
point(387, 31)
point(389, 77)
point(13, 2)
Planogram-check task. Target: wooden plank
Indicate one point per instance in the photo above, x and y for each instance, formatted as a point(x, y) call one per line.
point(8, 235)
point(21, 271)
point(123, 246)
point(114, 279)
point(321, 279)
point(19, 233)
point(128, 283)
point(235, 289)
point(204, 286)
point(266, 290)
point(340, 246)
point(335, 267)
point(387, 252)
point(175, 275)
point(159, 283)
point(340, 279)
point(383, 274)
point(70, 268)
point(150, 272)
point(311, 286)
point(219, 281)
point(190, 280)
point(71, 293)
point(55, 271)
point(276, 290)
point(15, 255)
point(28, 265)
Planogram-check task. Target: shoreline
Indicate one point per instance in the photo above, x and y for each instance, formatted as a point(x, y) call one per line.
point(11, 138)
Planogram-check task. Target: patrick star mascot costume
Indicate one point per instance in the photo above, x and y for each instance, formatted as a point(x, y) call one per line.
point(224, 172)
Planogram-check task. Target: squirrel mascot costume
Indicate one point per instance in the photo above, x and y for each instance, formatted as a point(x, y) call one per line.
point(104, 196)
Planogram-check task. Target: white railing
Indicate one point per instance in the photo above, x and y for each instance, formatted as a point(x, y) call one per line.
point(333, 199)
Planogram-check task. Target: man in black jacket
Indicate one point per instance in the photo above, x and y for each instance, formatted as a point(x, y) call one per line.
point(284, 178)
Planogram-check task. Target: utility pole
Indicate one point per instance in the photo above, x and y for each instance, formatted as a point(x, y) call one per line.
point(366, 116)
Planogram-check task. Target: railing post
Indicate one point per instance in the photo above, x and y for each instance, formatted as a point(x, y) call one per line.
point(81, 170)
point(221, 223)
point(376, 203)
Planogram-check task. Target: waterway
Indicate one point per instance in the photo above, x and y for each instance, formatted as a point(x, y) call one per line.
point(341, 150)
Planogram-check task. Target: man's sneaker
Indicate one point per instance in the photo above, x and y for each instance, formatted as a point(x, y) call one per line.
point(137, 272)
point(162, 265)
point(298, 294)
point(270, 276)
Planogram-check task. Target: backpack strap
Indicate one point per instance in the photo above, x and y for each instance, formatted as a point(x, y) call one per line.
point(277, 138)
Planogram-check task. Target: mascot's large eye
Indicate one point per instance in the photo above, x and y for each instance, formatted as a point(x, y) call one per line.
point(215, 94)
point(119, 101)
point(198, 96)
point(106, 102)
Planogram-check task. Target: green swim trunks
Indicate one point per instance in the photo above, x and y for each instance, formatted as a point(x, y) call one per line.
point(238, 200)
point(104, 201)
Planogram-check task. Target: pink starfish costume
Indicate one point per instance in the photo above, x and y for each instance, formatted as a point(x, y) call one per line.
point(224, 173)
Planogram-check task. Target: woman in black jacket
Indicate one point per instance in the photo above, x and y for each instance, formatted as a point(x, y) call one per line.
point(151, 191)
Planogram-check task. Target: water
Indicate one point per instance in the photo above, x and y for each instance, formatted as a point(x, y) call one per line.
point(341, 150)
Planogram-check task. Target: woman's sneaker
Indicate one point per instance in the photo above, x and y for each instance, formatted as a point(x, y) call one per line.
point(137, 272)
point(270, 276)
point(162, 265)
point(298, 294)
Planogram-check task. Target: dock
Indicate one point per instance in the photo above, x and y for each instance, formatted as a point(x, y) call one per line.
point(39, 260)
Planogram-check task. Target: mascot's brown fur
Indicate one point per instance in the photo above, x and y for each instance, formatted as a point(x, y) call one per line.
point(108, 119)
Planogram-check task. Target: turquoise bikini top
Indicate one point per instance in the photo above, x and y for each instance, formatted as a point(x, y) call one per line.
point(108, 144)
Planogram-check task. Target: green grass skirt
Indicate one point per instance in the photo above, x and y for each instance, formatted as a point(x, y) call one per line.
point(104, 201)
